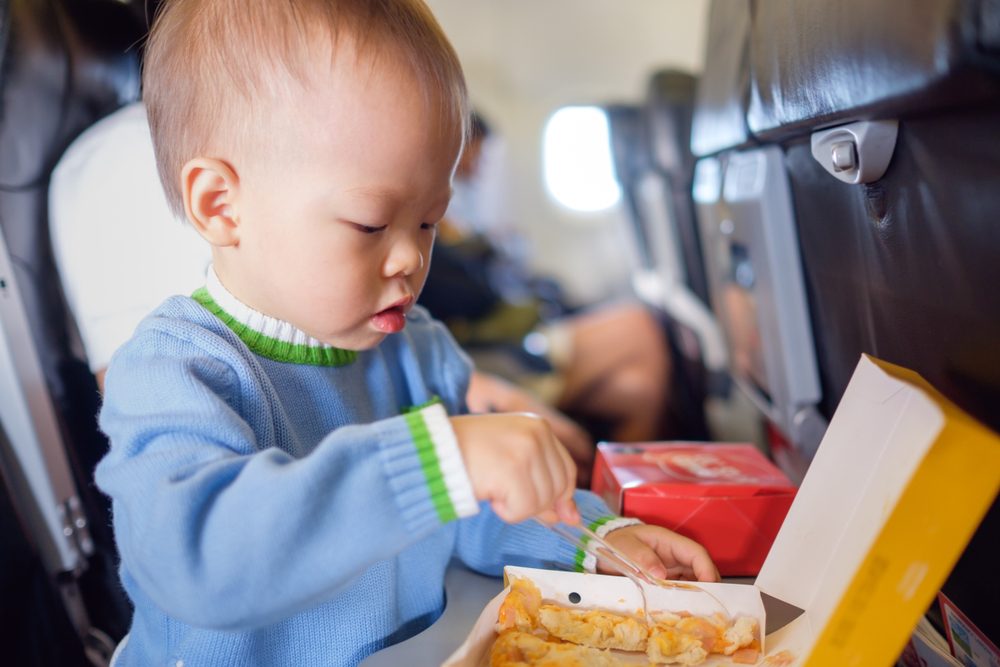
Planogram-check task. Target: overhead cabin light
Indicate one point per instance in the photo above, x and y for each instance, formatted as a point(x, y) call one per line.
point(577, 159)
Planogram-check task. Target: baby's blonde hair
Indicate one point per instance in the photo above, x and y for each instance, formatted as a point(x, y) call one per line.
point(207, 60)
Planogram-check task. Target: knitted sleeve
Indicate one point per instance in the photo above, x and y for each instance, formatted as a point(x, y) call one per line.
point(222, 533)
point(486, 544)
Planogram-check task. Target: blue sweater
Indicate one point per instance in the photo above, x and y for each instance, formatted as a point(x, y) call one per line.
point(278, 502)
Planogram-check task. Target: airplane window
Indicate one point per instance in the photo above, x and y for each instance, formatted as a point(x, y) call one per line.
point(577, 159)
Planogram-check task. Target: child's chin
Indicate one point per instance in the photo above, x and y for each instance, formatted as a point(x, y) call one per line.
point(371, 344)
point(369, 341)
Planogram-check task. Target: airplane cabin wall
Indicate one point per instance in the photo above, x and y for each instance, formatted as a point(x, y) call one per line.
point(524, 60)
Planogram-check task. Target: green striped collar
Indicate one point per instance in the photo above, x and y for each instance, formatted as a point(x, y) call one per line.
point(264, 335)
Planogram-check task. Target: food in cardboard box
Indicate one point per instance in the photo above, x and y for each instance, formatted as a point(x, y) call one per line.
point(518, 649)
point(533, 633)
point(596, 628)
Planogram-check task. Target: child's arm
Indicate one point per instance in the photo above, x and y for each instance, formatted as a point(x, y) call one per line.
point(221, 530)
point(486, 545)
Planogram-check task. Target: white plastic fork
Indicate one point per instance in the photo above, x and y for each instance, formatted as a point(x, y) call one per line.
point(625, 565)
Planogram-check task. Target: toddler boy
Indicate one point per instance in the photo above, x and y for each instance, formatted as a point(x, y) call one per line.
point(290, 467)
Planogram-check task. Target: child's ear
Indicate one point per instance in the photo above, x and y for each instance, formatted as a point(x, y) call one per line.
point(210, 187)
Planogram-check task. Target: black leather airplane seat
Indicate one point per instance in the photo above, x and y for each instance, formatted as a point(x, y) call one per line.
point(63, 65)
point(874, 59)
point(718, 120)
point(886, 119)
point(903, 267)
point(630, 159)
point(668, 109)
point(659, 278)
point(759, 216)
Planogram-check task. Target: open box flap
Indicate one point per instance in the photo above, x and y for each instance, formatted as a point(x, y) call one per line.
point(795, 639)
point(880, 433)
point(896, 491)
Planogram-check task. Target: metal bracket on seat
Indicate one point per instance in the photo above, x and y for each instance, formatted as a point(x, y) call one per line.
point(35, 465)
point(858, 152)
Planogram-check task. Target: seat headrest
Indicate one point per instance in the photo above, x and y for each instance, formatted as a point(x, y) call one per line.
point(669, 103)
point(62, 70)
point(629, 145)
point(110, 26)
point(719, 120)
point(59, 73)
point(816, 62)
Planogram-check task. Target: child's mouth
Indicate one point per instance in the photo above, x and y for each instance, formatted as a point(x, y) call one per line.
point(390, 320)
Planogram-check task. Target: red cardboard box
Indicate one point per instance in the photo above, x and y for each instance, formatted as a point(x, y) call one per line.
point(728, 497)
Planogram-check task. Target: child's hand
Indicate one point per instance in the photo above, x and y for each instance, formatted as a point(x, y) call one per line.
point(663, 553)
point(489, 393)
point(517, 464)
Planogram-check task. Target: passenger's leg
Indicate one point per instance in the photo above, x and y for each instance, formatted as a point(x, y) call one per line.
point(619, 370)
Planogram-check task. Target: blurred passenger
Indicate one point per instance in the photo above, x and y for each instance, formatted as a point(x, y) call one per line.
point(608, 366)
point(119, 248)
point(290, 468)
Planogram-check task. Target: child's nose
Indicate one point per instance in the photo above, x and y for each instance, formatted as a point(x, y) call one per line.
point(406, 258)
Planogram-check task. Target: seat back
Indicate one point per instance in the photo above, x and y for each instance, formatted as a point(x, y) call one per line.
point(667, 110)
point(660, 275)
point(884, 120)
point(63, 65)
point(915, 249)
point(904, 265)
point(631, 160)
point(667, 216)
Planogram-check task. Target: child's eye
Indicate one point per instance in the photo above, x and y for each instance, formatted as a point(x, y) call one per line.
point(428, 225)
point(368, 229)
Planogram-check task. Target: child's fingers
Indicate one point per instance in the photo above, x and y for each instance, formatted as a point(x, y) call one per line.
point(549, 517)
point(688, 554)
point(565, 506)
point(566, 510)
point(561, 471)
point(549, 474)
point(518, 503)
point(569, 468)
point(560, 485)
point(565, 468)
point(665, 554)
point(702, 565)
point(647, 558)
point(555, 468)
point(516, 463)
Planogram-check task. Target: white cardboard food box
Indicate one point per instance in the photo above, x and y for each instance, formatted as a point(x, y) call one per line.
point(895, 491)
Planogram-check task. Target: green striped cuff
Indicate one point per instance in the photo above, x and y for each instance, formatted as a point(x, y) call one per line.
point(441, 461)
point(585, 560)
